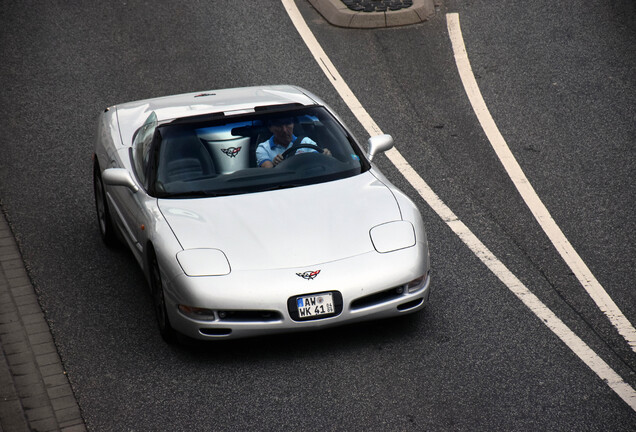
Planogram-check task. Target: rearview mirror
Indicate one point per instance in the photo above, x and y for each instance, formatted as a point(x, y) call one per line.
point(379, 144)
point(119, 177)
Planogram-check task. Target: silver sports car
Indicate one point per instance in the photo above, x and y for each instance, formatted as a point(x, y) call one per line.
point(254, 211)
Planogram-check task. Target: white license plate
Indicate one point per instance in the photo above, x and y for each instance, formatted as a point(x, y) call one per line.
point(315, 305)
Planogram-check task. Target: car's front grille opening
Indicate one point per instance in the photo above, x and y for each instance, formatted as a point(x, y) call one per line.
point(215, 331)
point(411, 304)
point(377, 298)
point(249, 316)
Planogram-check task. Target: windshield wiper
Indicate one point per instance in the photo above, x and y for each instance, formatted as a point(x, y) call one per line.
point(281, 186)
point(190, 194)
point(205, 194)
point(212, 194)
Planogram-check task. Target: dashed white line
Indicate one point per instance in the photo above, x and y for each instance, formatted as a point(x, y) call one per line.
point(532, 200)
point(584, 352)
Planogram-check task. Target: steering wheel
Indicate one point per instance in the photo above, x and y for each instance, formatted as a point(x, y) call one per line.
point(293, 149)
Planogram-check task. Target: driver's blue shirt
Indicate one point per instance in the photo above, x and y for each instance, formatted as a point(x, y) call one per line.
point(268, 150)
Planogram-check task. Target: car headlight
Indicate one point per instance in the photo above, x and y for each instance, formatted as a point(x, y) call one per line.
point(203, 262)
point(392, 236)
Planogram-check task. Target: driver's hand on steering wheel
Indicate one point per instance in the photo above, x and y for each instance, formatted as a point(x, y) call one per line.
point(277, 159)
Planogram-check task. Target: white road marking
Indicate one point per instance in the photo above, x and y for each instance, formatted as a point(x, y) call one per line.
point(584, 352)
point(532, 200)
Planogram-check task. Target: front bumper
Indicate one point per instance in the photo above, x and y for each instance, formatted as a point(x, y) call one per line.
point(246, 304)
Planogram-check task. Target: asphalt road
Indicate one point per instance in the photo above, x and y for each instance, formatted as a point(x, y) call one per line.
point(559, 80)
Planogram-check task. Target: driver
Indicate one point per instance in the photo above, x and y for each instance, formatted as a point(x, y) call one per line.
point(269, 153)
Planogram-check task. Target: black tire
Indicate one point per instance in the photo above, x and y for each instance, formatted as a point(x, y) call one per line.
point(104, 220)
point(159, 302)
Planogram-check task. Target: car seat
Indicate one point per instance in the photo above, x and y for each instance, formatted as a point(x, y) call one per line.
point(183, 158)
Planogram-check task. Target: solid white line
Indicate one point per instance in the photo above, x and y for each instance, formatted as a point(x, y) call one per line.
point(532, 200)
point(587, 355)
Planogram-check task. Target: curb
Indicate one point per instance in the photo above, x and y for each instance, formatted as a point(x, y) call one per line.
point(338, 14)
point(35, 393)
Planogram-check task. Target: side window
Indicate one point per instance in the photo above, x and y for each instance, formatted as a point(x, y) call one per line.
point(141, 146)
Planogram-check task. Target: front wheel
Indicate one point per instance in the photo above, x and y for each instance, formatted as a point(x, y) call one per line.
point(159, 302)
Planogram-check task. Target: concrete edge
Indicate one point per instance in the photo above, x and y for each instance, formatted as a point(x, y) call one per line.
point(338, 14)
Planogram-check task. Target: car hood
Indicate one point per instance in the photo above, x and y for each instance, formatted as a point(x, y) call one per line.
point(287, 228)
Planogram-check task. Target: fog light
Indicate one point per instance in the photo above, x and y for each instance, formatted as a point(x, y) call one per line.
point(197, 313)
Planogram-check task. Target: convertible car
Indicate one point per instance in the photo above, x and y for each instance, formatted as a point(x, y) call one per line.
point(232, 247)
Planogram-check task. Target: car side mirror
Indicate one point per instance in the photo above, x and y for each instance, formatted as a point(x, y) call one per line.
point(119, 177)
point(379, 144)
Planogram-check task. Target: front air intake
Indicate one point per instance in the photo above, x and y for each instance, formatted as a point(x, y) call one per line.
point(410, 305)
point(377, 298)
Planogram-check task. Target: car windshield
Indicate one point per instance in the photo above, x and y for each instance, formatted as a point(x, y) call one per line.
point(228, 156)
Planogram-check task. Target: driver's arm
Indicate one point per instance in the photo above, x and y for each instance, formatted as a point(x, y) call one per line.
point(262, 157)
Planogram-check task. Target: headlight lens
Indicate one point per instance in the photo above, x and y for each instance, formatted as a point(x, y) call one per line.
point(203, 262)
point(392, 236)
